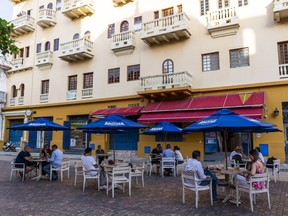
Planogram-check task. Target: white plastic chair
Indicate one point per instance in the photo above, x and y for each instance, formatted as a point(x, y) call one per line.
point(78, 170)
point(16, 169)
point(191, 182)
point(275, 169)
point(251, 191)
point(87, 175)
point(151, 166)
point(119, 175)
point(168, 163)
point(64, 167)
point(181, 167)
point(138, 171)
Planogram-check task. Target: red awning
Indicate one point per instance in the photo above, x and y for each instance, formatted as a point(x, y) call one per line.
point(125, 111)
point(191, 116)
point(229, 101)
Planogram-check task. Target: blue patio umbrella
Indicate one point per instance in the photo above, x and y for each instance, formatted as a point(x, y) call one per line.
point(40, 124)
point(164, 128)
point(228, 121)
point(110, 125)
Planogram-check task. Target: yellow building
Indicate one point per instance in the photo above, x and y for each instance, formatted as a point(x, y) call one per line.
point(77, 58)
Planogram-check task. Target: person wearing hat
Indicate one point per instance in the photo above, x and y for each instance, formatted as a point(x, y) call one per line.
point(237, 151)
point(178, 155)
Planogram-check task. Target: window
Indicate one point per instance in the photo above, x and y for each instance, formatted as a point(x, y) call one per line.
point(22, 88)
point(242, 3)
point(138, 23)
point(239, 57)
point(56, 44)
point(156, 14)
point(167, 12)
point(168, 66)
point(45, 87)
point(38, 48)
point(204, 7)
point(27, 52)
point(223, 4)
point(87, 35)
point(14, 91)
point(72, 83)
point(133, 72)
point(58, 5)
point(113, 75)
point(29, 12)
point(210, 61)
point(41, 7)
point(88, 80)
point(76, 36)
point(47, 46)
point(50, 6)
point(124, 26)
point(111, 30)
point(180, 8)
point(283, 52)
point(21, 53)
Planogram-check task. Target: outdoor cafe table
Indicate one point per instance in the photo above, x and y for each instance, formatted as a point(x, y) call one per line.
point(39, 161)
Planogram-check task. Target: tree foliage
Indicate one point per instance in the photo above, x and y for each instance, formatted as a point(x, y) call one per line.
point(7, 43)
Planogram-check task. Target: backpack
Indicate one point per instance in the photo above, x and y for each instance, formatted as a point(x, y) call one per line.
point(269, 162)
point(238, 159)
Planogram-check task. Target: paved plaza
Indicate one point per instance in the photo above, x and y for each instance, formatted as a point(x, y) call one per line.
point(161, 196)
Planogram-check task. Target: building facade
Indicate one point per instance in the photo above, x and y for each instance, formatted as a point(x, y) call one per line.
point(177, 61)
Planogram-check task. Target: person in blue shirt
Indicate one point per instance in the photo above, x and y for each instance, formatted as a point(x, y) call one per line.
point(55, 160)
point(168, 153)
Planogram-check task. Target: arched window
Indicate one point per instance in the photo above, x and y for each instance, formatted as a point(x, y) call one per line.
point(50, 6)
point(124, 26)
point(87, 35)
point(76, 36)
point(47, 46)
point(14, 91)
point(168, 66)
point(22, 88)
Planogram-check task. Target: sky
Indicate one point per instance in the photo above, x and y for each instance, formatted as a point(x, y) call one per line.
point(6, 9)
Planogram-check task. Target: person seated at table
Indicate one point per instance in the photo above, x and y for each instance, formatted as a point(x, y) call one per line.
point(45, 153)
point(261, 158)
point(55, 160)
point(92, 168)
point(194, 165)
point(178, 156)
point(168, 153)
point(156, 155)
point(100, 151)
point(257, 167)
point(237, 155)
point(25, 157)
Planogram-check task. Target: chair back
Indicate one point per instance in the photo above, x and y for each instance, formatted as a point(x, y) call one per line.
point(189, 179)
point(276, 163)
point(264, 177)
point(65, 164)
point(168, 162)
point(78, 166)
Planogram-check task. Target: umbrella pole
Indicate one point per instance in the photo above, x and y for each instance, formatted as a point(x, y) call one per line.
point(225, 147)
point(113, 146)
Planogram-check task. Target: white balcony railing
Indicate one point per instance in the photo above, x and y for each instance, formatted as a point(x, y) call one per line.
point(77, 8)
point(44, 58)
point(77, 44)
point(280, 9)
point(87, 93)
point(2, 97)
point(21, 100)
point(43, 98)
point(71, 95)
point(20, 64)
point(76, 3)
point(23, 24)
point(12, 101)
point(46, 17)
point(169, 80)
point(221, 17)
point(123, 43)
point(283, 71)
point(119, 3)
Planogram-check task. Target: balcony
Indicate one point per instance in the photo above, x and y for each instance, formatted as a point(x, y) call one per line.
point(21, 100)
point(44, 59)
point(17, 1)
point(2, 97)
point(87, 93)
point(283, 71)
point(23, 25)
point(167, 29)
point(123, 43)
point(46, 18)
point(44, 98)
point(170, 84)
point(71, 95)
point(119, 3)
point(76, 50)
point(223, 22)
point(77, 8)
point(280, 10)
point(20, 64)
point(12, 101)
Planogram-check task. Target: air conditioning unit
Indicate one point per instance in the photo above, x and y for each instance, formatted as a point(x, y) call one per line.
point(71, 95)
point(2, 97)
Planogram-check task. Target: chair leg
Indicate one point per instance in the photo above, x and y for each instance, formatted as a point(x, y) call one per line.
point(61, 172)
point(11, 174)
point(183, 195)
point(75, 179)
point(129, 187)
point(136, 180)
point(251, 201)
point(68, 173)
point(112, 189)
point(196, 199)
point(211, 195)
point(268, 197)
point(98, 182)
point(84, 184)
point(237, 195)
point(50, 173)
point(143, 180)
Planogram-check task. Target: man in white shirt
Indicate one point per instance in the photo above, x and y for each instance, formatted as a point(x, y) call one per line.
point(260, 154)
point(90, 164)
point(194, 165)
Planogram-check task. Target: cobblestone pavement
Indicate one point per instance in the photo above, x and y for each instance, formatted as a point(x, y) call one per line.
point(161, 196)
